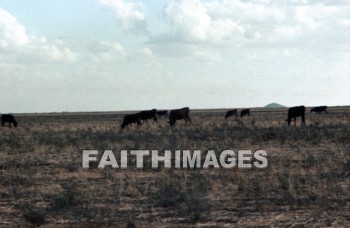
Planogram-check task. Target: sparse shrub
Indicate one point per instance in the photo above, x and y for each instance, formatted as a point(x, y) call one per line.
point(195, 206)
point(346, 167)
point(71, 195)
point(36, 216)
point(187, 201)
point(309, 162)
point(169, 195)
point(72, 166)
point(14, 178)
point(33, 214)
point(131, 224)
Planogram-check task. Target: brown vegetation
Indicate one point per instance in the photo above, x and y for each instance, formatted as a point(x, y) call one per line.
point(307, 181)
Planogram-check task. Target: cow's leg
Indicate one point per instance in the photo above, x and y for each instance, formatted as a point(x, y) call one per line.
point(303, 120)
point(295, 121)
point(172, 121)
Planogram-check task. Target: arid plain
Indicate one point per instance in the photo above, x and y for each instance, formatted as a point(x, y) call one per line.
point(307, 180)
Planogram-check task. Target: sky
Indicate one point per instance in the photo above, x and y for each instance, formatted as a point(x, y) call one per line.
point(113, 55)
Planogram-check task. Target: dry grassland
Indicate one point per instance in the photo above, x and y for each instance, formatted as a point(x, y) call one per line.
point(307, 181)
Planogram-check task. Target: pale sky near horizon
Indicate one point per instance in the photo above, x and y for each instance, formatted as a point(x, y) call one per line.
point(112, 55)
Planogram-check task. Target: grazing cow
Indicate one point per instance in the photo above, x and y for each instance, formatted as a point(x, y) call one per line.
point(231, 113)
point(131, 118)
point(295, 112)
point(179, 114)
point(245, 112)
point(8, 118)
point(319, 109)
point(162, 113)
point(149, 114)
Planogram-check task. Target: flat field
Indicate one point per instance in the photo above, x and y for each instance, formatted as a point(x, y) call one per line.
point(306, 183)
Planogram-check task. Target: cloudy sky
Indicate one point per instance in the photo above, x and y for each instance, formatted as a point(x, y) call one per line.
point(108, 55)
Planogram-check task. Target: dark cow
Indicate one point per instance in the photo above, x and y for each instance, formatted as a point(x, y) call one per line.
point(8, 118)
point(149, 114)
point(319, 109)
point(162, 113)
point(295, 112)
point(245, 112)
point(179, 114)
point(130, 119)
point(231, 113)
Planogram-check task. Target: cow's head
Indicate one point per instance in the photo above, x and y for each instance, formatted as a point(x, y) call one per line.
point(15, 124)
point(288, 120)
point(172, 122)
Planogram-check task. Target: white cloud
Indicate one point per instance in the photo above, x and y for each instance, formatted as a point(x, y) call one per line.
point(205, 55)
point(320, 15)
point(285, 33)
point(146, 57)
point(12, 34)
point(345, 22)
point(128, 15)
point(24, 47)
point(188, 19)
point(40, 49)
point(241, 22)
point(101, 52)
point(105, 46)
point(194, 21)
point(303, 14)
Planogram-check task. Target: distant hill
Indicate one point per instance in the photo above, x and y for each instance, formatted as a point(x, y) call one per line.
point(274, 105)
